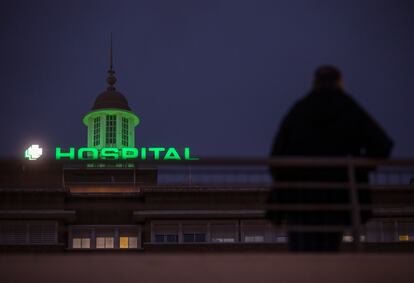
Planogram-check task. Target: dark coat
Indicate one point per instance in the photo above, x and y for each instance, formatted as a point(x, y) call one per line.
point(326, 124)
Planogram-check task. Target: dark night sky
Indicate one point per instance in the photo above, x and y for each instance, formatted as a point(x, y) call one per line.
point(217, 76)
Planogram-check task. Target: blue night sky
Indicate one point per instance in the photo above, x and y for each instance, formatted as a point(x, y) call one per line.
point(217, 76)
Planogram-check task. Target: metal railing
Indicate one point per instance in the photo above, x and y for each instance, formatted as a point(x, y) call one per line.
point(252, 173)
point(392, 176)
point(392, 180)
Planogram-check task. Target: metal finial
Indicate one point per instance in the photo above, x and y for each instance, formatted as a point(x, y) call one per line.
point(111, 79)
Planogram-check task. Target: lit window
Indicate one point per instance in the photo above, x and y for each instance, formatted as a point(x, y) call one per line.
point(81, 243)
point(124, 131)
point(347, 238)
point(404, 238)
point(123, 242)
point(133, 242)
point(350, 238)
point(128, 242)
point(104, 242)
point(86, 243)
point(76, 243)
point(111, 129)
point(96, 130)
point(254, 238)
point(100, 242)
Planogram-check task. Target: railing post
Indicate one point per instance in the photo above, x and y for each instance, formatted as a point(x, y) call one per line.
point(135, 176)
point(355, 208)
point(63, 176)
point(190, 181)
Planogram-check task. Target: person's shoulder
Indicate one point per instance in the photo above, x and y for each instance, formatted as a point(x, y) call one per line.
point(349, 97)
point(350, 100)
point(300, 109)
point(301, 102)
point(336, 97)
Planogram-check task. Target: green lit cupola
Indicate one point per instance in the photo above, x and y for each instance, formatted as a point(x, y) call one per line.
point(111, 123)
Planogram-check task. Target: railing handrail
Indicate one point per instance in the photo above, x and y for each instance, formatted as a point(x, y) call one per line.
point(277, 161)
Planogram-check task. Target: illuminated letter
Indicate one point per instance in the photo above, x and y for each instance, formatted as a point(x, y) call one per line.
point(172, 154)
point(143, 153)
point(129, 153)
point(156, 151)
point(60, 154)
point(187, 154)
point(92, 150)
point(109, 153)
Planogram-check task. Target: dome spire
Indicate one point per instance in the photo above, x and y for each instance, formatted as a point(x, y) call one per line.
point(111, 79)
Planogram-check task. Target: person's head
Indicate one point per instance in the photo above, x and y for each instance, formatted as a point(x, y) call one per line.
point(327, 77)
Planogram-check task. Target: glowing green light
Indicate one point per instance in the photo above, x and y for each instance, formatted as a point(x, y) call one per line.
point(60, 154)
point(126, 153)
point(111, 128)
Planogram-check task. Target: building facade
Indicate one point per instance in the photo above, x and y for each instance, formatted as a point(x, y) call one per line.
point(68, 206)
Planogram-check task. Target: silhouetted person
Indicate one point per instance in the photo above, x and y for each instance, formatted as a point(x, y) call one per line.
point(327, 123)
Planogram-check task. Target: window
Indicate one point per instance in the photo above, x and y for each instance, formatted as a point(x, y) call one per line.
point(159, 238)
point(128, 242)
point(80, 238)
point(104, 242)
point(404, 231)
point(347, 238)
point(96, 130)
point(251, 238)
point(223, 239)
point(255, 231)
point(124, 131)
point(28, 233)
point(76, 243)
point(165, 233)
point(223, 233)
point(166, 238)
point(403, 237)
point(194, 232)
point(281, 239)
point(111, 129)
point(81, 243)
point(104, 236)
point(194, 237)
point(14, 233)
point(42, 233)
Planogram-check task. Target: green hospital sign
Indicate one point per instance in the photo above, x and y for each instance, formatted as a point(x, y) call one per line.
point(126, 153)
point(113, 153)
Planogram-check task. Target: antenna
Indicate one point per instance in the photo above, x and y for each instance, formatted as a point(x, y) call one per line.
point(111, 79)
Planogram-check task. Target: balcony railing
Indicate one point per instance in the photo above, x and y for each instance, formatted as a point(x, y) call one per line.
point(391, 182)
